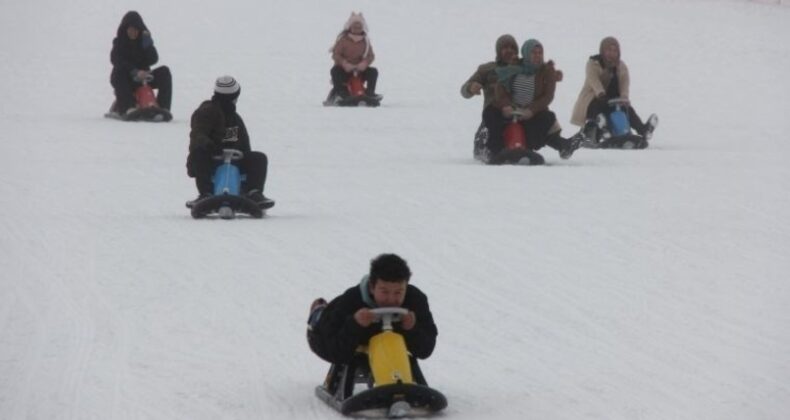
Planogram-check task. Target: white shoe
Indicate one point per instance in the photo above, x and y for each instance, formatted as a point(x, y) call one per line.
point(652, 123)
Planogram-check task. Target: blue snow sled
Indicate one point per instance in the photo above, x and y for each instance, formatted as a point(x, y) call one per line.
point(615, 130)
point(227, 200)
point(618, 119)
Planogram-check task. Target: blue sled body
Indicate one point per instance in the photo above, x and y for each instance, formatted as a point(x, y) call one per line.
point(227, 200)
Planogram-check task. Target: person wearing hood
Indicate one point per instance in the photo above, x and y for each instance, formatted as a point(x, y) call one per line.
point(215, 125)
point(529, 89)
point(484, 79)
point(133, 53)
point(606, 78)
point(353, 53)
point(335, 330)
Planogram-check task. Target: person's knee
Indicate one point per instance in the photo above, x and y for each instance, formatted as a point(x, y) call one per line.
point(162, 75)
point(258, 159)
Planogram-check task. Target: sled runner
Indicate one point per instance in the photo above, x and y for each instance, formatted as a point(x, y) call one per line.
point(355, 96)
point(614, 131)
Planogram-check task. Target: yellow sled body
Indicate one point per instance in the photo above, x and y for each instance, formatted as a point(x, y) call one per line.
point(389, 359)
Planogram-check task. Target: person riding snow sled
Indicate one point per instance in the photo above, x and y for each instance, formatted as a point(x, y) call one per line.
point(607, 78)
point(133, 53)
point(527, 89)
point(336, 330)
point(352, 53)
point(484, 81)
point(216, 126)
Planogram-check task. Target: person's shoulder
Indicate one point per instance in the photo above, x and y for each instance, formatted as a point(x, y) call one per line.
point(349, 300)
point(205, 109)
point(349, 295)
point(206, 106)
point(415, 292)
point(486, 67)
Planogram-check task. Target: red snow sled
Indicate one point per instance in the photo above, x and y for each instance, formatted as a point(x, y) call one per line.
point(147, 108)
point(356, 86)
point(516, 150)
point(356, 95)
point(514, 135)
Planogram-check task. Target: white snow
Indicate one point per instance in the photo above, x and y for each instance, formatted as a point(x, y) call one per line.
point(615, 285)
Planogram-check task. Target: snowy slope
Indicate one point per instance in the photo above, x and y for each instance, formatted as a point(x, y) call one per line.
point(615, 285)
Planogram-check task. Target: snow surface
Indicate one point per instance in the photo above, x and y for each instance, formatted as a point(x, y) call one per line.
point(616, 285)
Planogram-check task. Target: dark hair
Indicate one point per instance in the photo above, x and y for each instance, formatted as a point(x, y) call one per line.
point(389, 267)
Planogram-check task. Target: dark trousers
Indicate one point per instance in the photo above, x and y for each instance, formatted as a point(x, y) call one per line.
point(124, 87)
point(535, 128)
point(340, 77)
point(600, 106)
point(201, 166)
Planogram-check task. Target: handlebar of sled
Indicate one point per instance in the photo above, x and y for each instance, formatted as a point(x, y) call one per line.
point(229, 155)
point(146, 80)
point(617, 101)
point(389, 315)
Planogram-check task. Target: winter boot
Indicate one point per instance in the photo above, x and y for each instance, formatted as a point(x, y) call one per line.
point(201, 196)
point(316, 308)
point(261, 200)
point(652, 122)
point(590, 132)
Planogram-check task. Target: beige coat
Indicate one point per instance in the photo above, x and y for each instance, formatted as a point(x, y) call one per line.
point(595, 84)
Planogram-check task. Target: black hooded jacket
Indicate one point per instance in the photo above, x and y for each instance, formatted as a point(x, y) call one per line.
point(216, 125)
point(338, 334)
point(128, 54)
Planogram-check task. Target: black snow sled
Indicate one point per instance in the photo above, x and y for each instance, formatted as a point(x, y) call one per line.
point(362, 100)
point(516, 150)
point(613, 131)
point(227, 200)
point(355, 94)
point(524, 157)
point(373, 385)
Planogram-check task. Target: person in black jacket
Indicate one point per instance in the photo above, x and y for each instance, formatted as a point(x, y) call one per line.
point(133, 53)
point(335, 330)
point(216, 126)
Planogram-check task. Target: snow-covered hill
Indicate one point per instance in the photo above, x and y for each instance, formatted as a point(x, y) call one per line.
point(615, 285)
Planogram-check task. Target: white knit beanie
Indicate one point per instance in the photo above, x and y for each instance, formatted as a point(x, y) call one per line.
point(226, 85)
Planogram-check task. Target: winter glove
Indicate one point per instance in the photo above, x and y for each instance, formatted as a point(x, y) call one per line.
point(526, 113)
point(363, 65)
point(147, 42)
point(138, 75)
point(348, 67)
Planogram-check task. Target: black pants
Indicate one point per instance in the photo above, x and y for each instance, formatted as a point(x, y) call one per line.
point(535, 128)
point(340, 77)
point(201, 166)
point(600, 106)
point(125, 86)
